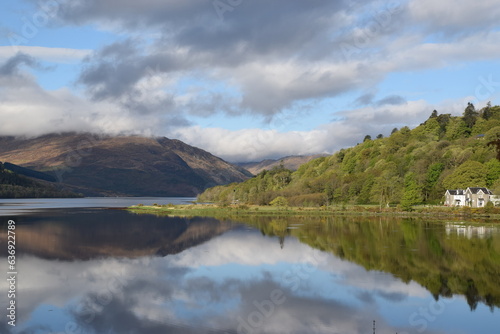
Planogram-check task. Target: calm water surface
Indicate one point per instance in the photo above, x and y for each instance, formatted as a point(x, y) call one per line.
point(85, 268)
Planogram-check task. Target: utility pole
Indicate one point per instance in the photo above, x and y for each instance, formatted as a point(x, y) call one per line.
point(373, 326)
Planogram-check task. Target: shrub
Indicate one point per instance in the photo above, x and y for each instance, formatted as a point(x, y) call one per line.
point(489, 207)
point(279, 201)
point(317, 199)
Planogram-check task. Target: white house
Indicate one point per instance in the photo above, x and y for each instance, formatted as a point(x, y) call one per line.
point(476, 197)
point(455, 197)
point(495, 199)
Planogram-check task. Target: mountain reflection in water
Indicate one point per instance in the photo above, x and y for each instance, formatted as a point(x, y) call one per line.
point(87, 234)
point(109, 271)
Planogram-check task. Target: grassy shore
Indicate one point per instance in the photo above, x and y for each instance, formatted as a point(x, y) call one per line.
point(234, 211)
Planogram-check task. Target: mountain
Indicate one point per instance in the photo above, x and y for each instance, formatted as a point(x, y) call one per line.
point(291, 162)
point(408, 167)
point(102, 165)
point(13, 185)
point(29, 172)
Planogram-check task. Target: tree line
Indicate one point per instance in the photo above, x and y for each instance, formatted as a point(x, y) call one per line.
point(409, 167)
point(13, 185)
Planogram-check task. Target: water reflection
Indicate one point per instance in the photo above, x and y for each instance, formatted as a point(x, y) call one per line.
point(142, 274)
point(411, 249)
point(90, 233)
point(470, 231)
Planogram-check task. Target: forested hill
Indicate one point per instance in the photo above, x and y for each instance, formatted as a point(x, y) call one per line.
point(13, 185)
point(408, 167)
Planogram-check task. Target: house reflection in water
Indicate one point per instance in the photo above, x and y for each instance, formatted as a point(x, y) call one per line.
point(469, 231)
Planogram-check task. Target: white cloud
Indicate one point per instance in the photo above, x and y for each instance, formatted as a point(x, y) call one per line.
point(407, 55)
point(54, 55)
point(26, 109)
point(456, 15)
point(23, 99)
point(258, 144)
point(268, 87)
point(254, 144)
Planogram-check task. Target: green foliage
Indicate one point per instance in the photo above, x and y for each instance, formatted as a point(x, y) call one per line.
point(469, 174)
point(485, 113)
point(408, 167)
point(456, 129)
point(279, 201)
point(492, 134)
point(493, 172)
point(470, 115)
point(17, 186)
point(412, 194)
point(434, 172)
point(492, 137)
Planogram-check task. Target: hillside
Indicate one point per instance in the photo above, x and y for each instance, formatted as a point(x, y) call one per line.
point(408, 167)
point(291, 162)
point(98, 165)
point(13, 185)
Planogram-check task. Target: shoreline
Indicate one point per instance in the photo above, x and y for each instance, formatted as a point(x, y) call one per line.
point(217, 211)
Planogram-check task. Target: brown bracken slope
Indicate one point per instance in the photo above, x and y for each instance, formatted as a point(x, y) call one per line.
point(98, 165)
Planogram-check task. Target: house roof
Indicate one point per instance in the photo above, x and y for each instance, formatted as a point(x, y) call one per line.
point(476, 190)
point(456, 192)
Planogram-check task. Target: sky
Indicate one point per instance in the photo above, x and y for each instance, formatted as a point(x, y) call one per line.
point(244, 79)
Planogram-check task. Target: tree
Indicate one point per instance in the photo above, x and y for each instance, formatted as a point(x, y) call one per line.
point(492, 137)
point(394, 131)
point(493, 172)
point(433, 173)
point(443, 121)
point(456, 129)
point(367, 137)
point(434, 114)
point(405, 130)
point(412, 194)
point(469, 174)
point(485, 112)
point(470, 115)
point(380, 136)
point(429, 131)
point(279, 201)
